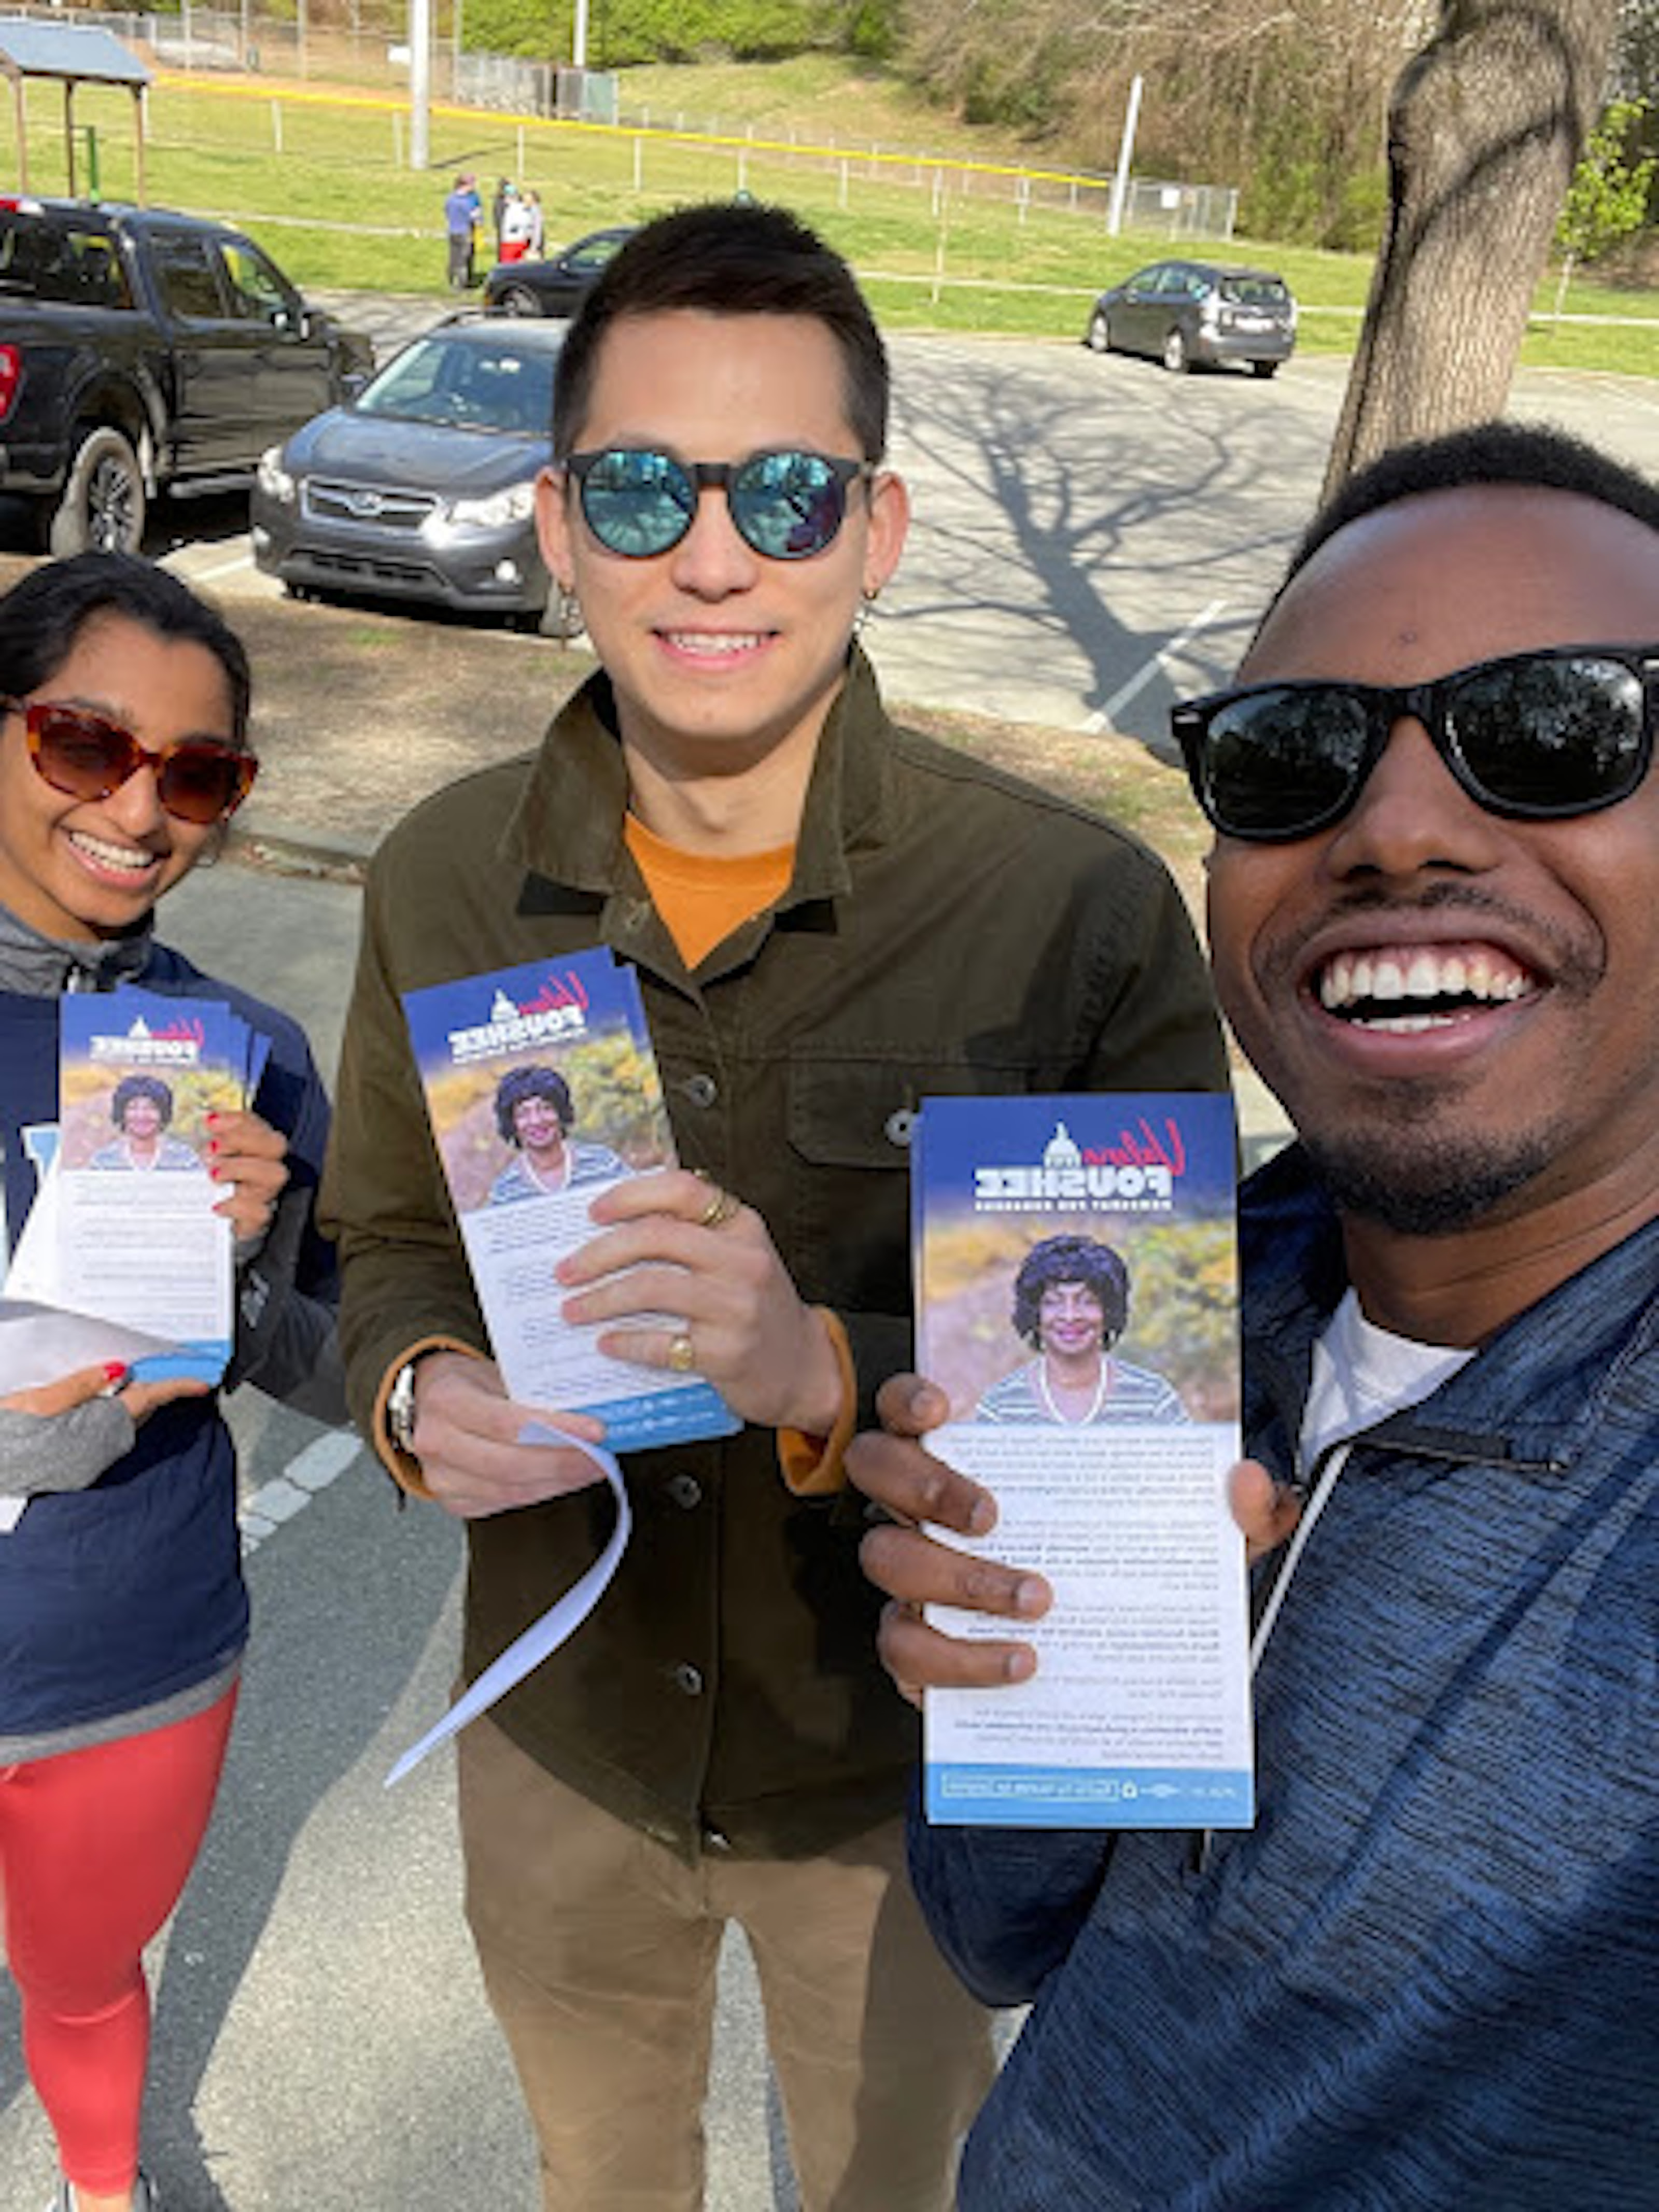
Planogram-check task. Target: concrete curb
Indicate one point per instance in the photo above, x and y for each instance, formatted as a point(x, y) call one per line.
point(288, 849)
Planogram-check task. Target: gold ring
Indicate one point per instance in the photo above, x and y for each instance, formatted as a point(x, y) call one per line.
point(681, 1357)
point(721, 1208)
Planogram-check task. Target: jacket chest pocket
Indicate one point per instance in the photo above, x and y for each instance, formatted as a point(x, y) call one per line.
point(851, 1122)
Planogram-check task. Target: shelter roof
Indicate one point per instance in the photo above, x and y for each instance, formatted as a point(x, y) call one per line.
point(80, 51)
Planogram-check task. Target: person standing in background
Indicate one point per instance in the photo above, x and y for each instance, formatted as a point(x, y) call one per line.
point(461, 211)
point(518, 222)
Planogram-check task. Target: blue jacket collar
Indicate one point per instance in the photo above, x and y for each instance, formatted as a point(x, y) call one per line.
point(1535, 1396)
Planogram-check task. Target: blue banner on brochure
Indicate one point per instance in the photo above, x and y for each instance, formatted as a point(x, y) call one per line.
point(1067, 1798)
point(1076, 1301)
point(543, 1091)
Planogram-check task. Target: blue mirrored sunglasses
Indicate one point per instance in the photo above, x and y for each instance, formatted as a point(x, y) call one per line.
point(787, 504)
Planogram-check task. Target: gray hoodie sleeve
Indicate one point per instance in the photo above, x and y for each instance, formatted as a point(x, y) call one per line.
point(42, 1452)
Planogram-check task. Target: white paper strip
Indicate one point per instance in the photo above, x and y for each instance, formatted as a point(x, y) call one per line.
point(560, 1621)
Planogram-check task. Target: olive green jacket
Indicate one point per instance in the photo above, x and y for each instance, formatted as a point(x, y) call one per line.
point(947, 929)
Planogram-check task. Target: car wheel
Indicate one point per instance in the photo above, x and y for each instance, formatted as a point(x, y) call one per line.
point(518, 300)
point(1264, 369)
point(103, 505)
point(1099, 337)
point(1176, 358)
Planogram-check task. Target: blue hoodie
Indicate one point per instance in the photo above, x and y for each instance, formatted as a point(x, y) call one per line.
point(1428, 1979)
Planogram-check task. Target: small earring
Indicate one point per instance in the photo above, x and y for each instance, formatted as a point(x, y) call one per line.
point(564, 617)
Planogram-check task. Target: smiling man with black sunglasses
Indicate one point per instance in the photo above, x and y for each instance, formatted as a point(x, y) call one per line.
point(830, 918)
point(1427, 1979)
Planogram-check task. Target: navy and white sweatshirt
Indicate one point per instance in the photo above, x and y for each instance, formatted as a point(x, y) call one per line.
point(122, 1602)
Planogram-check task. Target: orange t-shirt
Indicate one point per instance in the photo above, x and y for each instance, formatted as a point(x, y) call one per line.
point(702, 897)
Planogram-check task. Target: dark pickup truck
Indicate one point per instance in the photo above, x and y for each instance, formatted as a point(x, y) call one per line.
point(143, 352)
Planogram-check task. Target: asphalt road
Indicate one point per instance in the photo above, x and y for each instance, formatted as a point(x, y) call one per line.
point(1091, 536)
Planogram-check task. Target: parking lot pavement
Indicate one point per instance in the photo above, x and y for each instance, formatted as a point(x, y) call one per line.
point(1091, 536)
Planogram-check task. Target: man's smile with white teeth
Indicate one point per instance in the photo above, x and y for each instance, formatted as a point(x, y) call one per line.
point(713, 643)
point(1373, 987)
point(113, 856)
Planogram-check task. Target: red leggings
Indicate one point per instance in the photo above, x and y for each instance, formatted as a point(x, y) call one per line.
point(94, 1848)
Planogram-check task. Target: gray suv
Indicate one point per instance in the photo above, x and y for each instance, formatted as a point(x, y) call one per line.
point(1197, 314)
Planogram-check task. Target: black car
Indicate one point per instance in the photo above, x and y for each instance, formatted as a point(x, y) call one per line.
point(1193, 314)
point(555, 287)
point(142, 351)
point(424, 488)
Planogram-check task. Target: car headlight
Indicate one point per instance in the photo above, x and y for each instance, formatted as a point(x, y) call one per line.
point(275, 481)
point(495, 510)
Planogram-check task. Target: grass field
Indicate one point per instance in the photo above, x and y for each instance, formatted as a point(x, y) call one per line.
point(319, 173)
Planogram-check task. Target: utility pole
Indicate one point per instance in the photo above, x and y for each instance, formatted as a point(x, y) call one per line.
point(579, 37)
point(1125, 155)
point(420, 84)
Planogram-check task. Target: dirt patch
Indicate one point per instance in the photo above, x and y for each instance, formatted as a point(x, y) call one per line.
point(357, 714)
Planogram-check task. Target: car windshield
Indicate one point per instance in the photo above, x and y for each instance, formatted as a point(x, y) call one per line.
point(1256, 291)
point(467, 386)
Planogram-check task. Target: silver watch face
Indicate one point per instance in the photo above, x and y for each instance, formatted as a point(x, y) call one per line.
point(400, 1409)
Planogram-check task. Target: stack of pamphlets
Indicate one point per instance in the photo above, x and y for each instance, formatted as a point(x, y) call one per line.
point(543, 1090)
point(123, 1254)
point(123, 1257)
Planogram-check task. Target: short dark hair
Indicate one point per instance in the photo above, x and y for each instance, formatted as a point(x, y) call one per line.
point(1538, 456)
point(43, 615)
point(727, 259)
point(141, 1087)
point(533, 1082)
point(1084, 1260)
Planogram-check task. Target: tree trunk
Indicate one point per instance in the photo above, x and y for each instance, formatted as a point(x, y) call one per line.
point(1484, 130)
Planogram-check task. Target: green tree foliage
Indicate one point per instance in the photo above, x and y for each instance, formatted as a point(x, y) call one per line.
point(1607, 198)
point(624, 31)
point(1284, 99)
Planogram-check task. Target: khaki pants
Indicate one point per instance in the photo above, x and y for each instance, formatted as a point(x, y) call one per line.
point(599, 1951)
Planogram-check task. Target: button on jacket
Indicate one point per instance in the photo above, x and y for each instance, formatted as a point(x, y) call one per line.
point(947, 929)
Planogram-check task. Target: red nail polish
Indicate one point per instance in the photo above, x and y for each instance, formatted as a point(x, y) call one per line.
point(114, 1370)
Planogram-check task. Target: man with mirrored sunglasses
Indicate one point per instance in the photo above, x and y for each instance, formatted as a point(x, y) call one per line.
point(830, 918)
point(1427, 1978)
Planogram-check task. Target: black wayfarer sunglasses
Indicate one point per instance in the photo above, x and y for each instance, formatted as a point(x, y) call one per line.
point(1537, 736)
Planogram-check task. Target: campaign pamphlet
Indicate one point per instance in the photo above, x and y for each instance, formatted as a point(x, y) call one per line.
point(1076, 1298)
point(543, 1090)
point(123, 1230)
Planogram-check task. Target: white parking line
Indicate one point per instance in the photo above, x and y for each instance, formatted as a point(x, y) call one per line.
point(216, 569)
point(1104, 717)
point(278, 1500)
